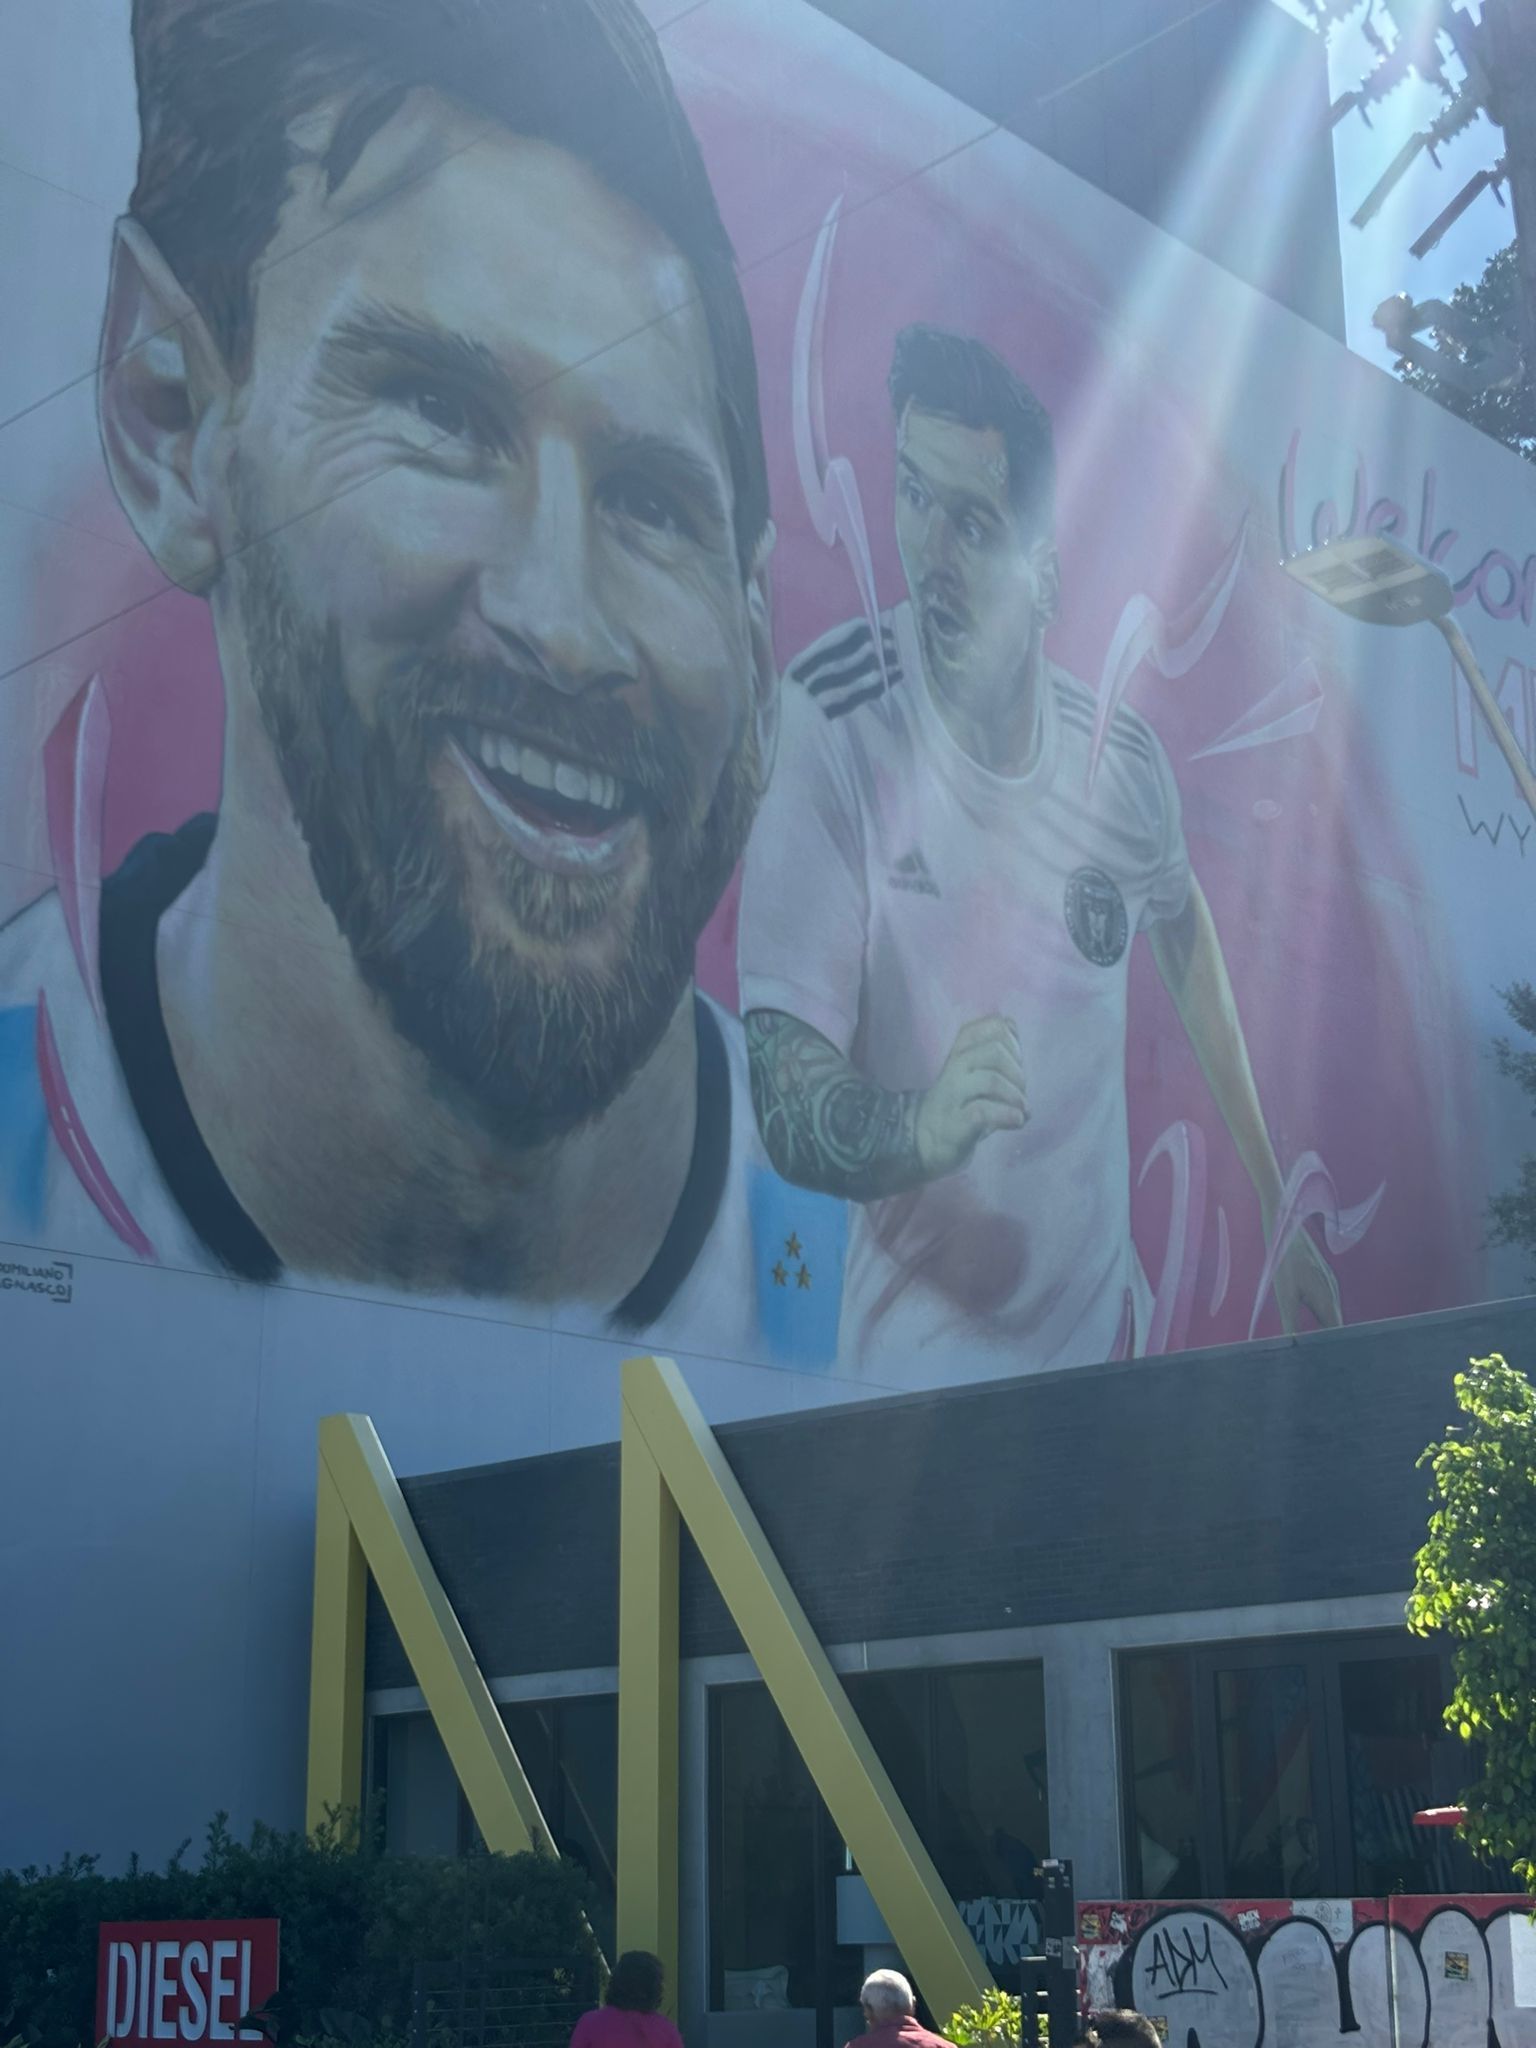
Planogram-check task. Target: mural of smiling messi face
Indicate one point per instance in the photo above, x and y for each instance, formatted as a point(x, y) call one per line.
point(487, 590)
point(508, 679)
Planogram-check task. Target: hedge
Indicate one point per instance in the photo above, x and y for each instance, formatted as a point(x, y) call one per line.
point(354, 1923)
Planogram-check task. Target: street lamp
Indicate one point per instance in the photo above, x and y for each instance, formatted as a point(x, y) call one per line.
point(1380, 582)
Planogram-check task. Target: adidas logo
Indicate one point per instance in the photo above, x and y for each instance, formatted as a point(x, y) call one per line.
point(911, 872)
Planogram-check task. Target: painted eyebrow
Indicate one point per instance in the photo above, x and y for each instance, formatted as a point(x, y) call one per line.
point(381, 331)
point(671, 462)
point(957, 502)
point(407, 339)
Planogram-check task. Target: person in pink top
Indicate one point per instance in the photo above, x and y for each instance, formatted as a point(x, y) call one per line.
point(629, 2016)
point(890, 2015)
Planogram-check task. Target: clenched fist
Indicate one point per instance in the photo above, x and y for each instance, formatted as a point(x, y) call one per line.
point(980, 1090)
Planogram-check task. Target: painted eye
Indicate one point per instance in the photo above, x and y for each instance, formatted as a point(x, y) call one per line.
point(647, 505)
point(443, 412)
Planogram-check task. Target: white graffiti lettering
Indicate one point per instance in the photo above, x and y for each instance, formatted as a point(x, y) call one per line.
point(1328, 1974)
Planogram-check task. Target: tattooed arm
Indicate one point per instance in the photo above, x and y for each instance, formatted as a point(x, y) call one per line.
point(825, 1127)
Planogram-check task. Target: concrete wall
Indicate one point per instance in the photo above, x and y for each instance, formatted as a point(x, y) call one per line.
point(1212, 122)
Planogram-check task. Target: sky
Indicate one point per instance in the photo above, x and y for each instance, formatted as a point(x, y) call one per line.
point(1377, 262)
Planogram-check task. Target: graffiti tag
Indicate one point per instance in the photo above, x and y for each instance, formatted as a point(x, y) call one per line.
point(1183, 1963)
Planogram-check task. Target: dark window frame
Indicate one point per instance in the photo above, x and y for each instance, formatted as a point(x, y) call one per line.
point(1321, 1656)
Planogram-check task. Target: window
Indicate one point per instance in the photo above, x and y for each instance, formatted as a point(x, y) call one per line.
point(764, 1834)
point(966, 1752)
point(965, 1749)
point(1289, 1769)
point(1268, 1799)
point(413, 1781)
point(569, 1751)
point(1161, 1797)
point(1397, 1759)
point(989, 1825)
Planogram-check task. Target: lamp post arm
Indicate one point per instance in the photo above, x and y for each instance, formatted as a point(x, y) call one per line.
point(1498, 724)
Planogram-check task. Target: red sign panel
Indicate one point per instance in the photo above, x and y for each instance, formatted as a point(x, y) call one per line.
point(183, 1980)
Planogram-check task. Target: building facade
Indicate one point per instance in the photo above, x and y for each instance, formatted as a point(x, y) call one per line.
point(1212, 123)
point(1158, 1649)
point(657, 700)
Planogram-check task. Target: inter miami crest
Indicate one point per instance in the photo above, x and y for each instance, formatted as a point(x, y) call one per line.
point(1096, 918)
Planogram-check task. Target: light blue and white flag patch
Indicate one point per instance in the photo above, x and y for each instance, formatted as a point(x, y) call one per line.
point(799, 1241)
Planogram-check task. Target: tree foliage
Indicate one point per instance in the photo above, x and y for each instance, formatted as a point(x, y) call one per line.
point(354, 1923)
point(1466, 57)
point(1512, 1214)
point(1475, 1581)
point(1491, 308)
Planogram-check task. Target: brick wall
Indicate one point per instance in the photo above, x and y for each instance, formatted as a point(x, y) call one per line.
point(1276, 1472)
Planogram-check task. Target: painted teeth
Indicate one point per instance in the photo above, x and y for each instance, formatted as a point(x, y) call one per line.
point(529, 765)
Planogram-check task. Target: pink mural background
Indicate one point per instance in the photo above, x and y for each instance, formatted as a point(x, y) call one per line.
point(1320, 877)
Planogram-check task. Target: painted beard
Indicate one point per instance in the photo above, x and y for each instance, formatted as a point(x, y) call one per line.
point(535, 1052)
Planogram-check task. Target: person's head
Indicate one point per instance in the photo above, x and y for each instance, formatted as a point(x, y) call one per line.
point(975, 510)
point(637, 1982)
point(1119, 2028)
point(886, 1996)
point(426, 360)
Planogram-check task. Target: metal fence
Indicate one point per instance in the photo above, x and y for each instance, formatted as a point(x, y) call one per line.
point(498, 2002)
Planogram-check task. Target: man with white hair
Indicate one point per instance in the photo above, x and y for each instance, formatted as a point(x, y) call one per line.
point(890, 2010)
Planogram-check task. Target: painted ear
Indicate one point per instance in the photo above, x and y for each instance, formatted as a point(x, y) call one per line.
point(765, 666)
point(158, 374)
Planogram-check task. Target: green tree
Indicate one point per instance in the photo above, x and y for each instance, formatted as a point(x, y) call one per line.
point(1475, 1581)
point(1512, 1214)
point(1482, 65)
point(1491, 309)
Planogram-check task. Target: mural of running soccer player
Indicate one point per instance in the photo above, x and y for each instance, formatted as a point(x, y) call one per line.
point(937, 1022)
point(426, 364)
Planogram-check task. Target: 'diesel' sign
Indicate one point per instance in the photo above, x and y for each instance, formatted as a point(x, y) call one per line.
point(183, 1980)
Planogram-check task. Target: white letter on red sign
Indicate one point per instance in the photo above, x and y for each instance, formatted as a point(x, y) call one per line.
point(165, 1988)
point(220, 1988)
point(247, 2033)
point(194, 2009)
point(120, 2018)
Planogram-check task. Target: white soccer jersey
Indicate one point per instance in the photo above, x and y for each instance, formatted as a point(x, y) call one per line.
point(99, 1154)
point(894, 891)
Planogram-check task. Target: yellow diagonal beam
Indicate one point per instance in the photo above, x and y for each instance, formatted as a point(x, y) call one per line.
point(356, 1482)
point(336, 1663)
point(919, 1912)
point(648, 1707)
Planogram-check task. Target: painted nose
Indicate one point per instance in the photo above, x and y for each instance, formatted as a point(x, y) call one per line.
point(939, 543)
point(542, 598)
